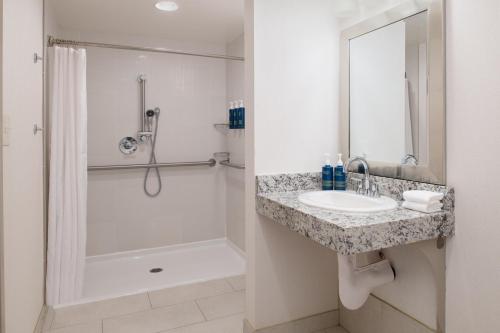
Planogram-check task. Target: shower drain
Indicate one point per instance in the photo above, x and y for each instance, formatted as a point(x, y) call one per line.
point(155, 270)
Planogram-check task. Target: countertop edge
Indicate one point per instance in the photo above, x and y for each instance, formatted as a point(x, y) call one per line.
point(357, 239)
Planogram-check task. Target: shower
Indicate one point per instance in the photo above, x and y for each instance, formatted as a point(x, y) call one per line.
point(147, 134)
point(142, 235)
point(152, 116)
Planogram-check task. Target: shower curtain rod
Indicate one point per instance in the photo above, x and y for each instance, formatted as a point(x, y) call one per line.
point(57, 41)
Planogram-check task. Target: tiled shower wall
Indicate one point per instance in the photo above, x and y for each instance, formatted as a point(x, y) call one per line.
point(191, 93)
point(235, 178)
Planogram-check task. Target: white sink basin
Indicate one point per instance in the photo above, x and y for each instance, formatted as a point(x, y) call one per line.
point(347, 201)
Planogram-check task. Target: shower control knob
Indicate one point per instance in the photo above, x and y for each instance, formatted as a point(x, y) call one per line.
point(150, 113)
point(128, 145)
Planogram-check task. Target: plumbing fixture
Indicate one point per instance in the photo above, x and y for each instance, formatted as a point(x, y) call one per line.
point(409, 159)
point(128, 145)
point(359, 274)
point(153, 116)
point(145, 132)
point(365, 186)
point(149, 118)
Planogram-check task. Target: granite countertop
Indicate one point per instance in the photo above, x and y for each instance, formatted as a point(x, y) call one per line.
point(351, 233)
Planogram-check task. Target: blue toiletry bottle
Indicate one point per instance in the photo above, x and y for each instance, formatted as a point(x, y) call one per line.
point(327, 175)
point(231, 115)
point(241, 115)
point(237, 118)
point(339, 175)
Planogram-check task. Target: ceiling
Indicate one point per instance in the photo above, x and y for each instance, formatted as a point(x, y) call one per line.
point(212, 21)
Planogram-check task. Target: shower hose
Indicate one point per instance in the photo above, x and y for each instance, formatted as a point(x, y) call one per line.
point(152, 160)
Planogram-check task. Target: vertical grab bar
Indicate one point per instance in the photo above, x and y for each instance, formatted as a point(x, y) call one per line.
point(142, 81)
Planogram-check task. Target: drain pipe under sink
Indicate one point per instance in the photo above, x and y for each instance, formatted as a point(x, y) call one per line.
point(359, 274)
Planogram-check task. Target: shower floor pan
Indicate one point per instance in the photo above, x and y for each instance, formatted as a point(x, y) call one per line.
point(125, 273)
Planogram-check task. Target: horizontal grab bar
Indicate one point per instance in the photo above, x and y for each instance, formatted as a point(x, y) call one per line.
point(232, 165)
point(211, 162)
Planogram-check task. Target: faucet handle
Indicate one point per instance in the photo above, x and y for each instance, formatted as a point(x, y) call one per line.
point(374, 191)
point(359, 188)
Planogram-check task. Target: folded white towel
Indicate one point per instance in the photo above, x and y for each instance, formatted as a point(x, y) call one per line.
point(425, 208)
point(424, 197)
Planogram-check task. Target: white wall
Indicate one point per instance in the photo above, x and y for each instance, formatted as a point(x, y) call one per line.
point(23, 240)
point(235, 178)
point(191, 94)
point(291, 51)
point(473, 138)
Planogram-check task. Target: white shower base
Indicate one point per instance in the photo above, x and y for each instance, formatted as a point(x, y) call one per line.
point(125, 273)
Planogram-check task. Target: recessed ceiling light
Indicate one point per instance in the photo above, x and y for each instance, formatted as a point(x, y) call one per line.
point(167, 6)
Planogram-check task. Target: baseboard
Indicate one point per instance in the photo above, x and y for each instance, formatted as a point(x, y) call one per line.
point(309, 324)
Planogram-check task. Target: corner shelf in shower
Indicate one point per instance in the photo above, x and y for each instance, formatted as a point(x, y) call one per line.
point(221, 126)
point(224, 128)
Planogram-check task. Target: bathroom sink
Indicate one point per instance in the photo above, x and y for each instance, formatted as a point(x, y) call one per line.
point(347, 201)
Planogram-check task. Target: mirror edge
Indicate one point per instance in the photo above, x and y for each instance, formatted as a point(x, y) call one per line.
point(435, 172)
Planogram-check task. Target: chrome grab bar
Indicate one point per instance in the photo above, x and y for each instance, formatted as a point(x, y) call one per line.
point(232, 165)
point(211, 163)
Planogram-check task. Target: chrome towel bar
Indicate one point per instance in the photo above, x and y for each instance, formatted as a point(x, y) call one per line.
point(211, 162)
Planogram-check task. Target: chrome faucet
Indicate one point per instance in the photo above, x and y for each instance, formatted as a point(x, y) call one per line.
point(409, 159)
point(365, 187)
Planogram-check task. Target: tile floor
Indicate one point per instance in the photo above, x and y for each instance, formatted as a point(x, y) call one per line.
point(215, 306)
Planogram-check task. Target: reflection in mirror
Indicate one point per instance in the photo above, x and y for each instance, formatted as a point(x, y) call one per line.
point(388, 100)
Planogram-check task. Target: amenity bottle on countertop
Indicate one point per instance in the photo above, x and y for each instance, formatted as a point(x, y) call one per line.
point(339, 175)
point(327, 175)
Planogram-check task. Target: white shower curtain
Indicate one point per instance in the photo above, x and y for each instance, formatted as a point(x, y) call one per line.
point(67, 212)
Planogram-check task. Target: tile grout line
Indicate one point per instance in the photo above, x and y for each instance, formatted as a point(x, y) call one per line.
point(201, 311)
point(222, 294)
point(230, 284)
point(147, 294)
point(232, 277)
point(149, 299)
point(101, 318)
point(201, 298)
point(202, 322)
point(53, 319)
point(187, 325)
point(173, 328)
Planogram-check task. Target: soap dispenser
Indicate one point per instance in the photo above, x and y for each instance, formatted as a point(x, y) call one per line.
point(241, 115)
point(231, 115)
point(327, 175)
point(339, 175)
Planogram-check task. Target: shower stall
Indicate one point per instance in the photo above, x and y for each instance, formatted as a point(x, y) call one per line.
point(165, 204)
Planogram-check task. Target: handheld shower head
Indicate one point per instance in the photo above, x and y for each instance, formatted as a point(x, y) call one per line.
point(152, 113)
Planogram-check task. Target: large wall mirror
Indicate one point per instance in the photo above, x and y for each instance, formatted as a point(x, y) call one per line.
point(392, 92)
